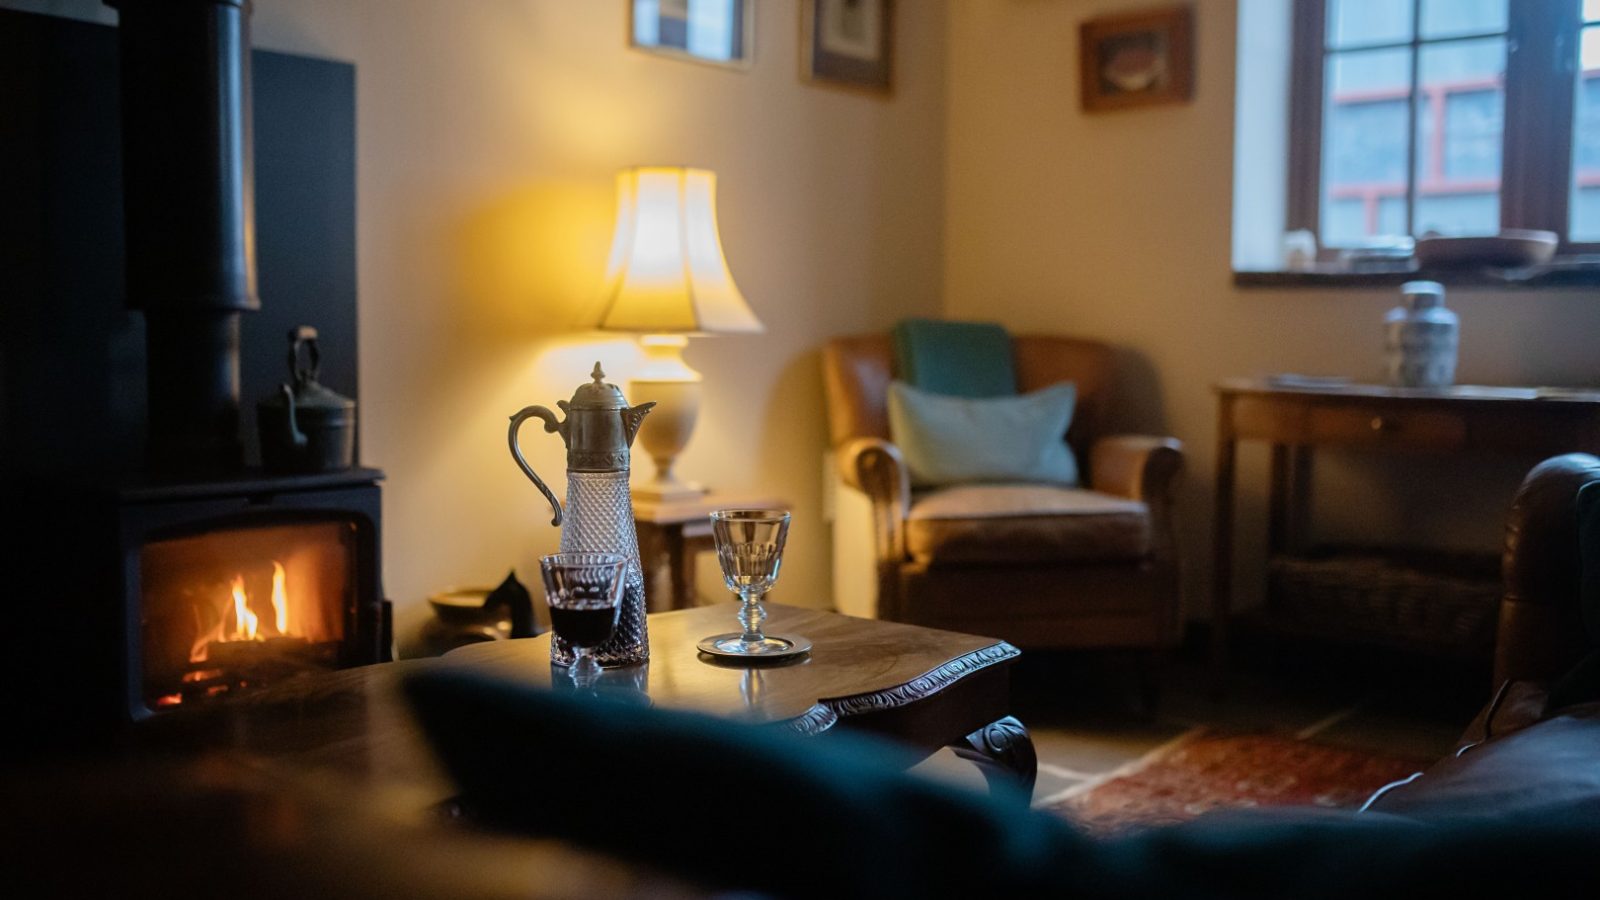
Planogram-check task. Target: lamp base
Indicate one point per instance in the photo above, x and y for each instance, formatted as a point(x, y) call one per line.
point(667, 381)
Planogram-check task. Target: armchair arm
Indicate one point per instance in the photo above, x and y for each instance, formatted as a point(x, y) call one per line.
point(1541, 634)
point(875, 467)
point(1139, 467)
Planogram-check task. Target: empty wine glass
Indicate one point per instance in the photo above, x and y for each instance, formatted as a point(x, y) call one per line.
point(750, 550)
point(584, 591)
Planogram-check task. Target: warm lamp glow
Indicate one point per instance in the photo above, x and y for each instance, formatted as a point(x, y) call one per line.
point(667, 272)
point(667, 279)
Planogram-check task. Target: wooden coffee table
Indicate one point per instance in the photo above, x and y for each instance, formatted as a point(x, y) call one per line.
point(924, 688)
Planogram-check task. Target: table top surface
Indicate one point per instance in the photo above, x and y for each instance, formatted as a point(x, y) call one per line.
point(1363, 391)
point(855, 665)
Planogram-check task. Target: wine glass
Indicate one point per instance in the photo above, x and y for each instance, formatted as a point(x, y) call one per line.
point(584, 591)
point(750, 550)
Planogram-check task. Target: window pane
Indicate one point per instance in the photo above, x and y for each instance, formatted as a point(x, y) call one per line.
point(1352, 23)
point(1364, 145)
point(1586, 214)
point(1458, 213)
point(1591, 10)
point(1366, 142)
point(1392, 215)
point(1584, 224)
point(1460, 122)
point(1452, 18)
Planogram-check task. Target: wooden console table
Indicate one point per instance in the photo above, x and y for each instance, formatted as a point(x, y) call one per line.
point(1371, 417)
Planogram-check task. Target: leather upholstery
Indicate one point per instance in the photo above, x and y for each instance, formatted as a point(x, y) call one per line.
point(988, 523)
point(1554, 762)
point(1541, 623)
point(1072, 578)
point(1519, 754)
point(856, 372)
point(1043, 360)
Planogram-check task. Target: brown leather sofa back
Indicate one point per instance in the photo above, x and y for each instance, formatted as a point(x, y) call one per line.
point(1541, 623)
point(856, 372)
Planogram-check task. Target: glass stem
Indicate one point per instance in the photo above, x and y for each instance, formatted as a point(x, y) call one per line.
point(583, 665)
point(752, 615)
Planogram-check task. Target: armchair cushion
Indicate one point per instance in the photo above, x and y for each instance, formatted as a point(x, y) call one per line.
point(988, 523)
point(957, 440)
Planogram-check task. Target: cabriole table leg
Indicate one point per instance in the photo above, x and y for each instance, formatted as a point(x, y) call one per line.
point(1003, 751)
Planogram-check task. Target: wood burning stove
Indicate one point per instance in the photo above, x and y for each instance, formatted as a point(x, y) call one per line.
point(148, 569)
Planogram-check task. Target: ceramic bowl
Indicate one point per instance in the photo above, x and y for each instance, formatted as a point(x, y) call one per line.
point(461, 605)
point(1510, 249)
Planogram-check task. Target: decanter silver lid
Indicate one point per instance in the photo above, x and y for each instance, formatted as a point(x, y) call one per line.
point(598, 431)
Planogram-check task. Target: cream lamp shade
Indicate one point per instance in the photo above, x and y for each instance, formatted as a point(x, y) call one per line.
point(667, 279)
point(667, 272)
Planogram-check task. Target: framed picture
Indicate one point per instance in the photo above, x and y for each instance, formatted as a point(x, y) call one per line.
point(1137, 59)
point(720, 32)
point(848, 43)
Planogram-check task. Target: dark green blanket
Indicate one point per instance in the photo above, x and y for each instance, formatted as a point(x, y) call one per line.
point(959, 359)
point(755, 808)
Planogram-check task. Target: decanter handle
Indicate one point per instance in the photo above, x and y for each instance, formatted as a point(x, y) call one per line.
point(550, 425)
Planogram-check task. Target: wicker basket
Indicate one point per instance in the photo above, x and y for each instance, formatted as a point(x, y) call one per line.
point(1439, 601)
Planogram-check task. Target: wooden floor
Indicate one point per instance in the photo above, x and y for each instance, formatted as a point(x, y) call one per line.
point(1086, 719)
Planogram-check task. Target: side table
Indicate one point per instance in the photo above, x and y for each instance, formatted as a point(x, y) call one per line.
point(671, 532)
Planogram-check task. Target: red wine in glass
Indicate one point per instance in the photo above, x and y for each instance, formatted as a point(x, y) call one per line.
point(584, 625)
point(584, 591)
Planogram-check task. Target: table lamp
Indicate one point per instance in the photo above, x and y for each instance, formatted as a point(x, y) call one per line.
point(667, 280)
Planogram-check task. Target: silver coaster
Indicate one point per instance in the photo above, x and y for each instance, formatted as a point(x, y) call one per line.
point(777, 646)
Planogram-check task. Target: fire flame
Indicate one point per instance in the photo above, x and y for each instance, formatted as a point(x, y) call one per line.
point(280, 599)
point(246, 624)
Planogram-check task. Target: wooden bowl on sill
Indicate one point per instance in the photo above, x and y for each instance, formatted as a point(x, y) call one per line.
point(1515, 248)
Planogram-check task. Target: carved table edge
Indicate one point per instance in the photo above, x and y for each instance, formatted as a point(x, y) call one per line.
point(828, 711)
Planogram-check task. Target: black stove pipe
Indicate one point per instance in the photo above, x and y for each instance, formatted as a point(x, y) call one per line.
point(188, 198)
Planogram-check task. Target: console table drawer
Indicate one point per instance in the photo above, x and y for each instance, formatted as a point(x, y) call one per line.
point(1362, 425)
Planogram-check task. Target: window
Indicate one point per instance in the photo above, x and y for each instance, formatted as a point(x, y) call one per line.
point(1459, 117)
point(1585, 199)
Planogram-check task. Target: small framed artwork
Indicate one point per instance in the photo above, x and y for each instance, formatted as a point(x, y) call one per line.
point(720, 32)
point(1137, 59)
point(848, 43)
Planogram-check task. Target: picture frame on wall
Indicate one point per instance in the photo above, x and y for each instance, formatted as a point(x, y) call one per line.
point(1137, 59)
point(848, 44)
point(718, 32)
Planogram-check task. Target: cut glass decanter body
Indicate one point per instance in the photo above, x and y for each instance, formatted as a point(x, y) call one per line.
point(599, 519)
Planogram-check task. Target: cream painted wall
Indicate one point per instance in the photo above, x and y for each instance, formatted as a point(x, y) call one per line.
point(1116, 226)
point(489, 132)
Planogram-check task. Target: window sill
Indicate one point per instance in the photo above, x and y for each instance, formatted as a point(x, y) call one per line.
point(1573, 271)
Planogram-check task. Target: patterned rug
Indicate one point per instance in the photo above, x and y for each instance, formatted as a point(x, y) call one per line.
point(1203, 770)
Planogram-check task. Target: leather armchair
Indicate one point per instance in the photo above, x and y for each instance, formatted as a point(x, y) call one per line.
point(1541, 634)
point(1531, 748)
point(1040, 566)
